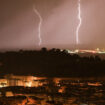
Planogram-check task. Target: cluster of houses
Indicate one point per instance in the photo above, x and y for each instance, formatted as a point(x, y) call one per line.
point(26, 81)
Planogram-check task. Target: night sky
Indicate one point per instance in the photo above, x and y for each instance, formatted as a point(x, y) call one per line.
point(19, 24)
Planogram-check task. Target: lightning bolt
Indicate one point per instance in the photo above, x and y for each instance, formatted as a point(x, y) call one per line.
point(40, 25)
point(80, 21)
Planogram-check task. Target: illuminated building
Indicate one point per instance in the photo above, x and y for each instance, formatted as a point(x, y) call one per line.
point(3, 83)
point(26, 81)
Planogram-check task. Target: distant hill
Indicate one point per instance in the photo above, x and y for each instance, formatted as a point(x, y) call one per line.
point(51, 63)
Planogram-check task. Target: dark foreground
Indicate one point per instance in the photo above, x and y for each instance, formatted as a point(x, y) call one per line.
point(51, 63)
point(56, 92)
